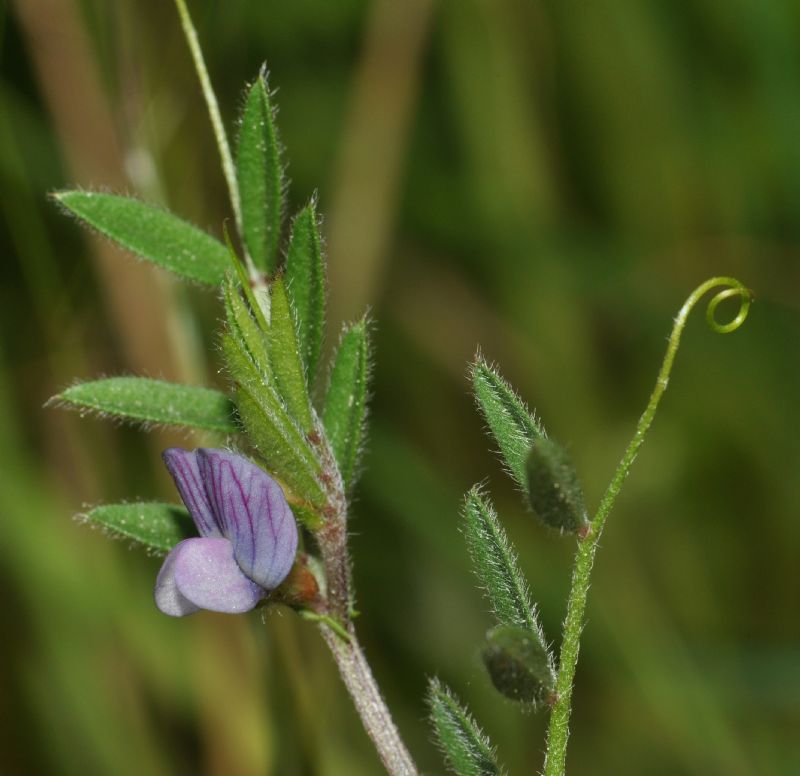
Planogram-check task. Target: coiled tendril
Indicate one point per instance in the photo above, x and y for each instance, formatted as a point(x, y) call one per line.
point(558, 730)
point(735, 288)
point(731, 288)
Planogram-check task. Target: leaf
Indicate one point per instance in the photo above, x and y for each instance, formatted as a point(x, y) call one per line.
point(554, 489)
point(153, 401)
point(519, 665)
point(289, 463)
point(245, 328)
point(282, 446)
point(151, 233)
point(345, 411)
point(512, 425)
point(260, 173)
point(495, 564)
point(156, 526)
point(305, 281)
point(465, 746)
point(285, 357)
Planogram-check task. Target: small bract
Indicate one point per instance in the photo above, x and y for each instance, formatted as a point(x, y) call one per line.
point(248, 535)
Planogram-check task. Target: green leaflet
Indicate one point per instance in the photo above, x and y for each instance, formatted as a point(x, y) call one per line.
point(495, 564)
point(156, 526)
point(272, 439)
point(513, 426)
point(345, 411)
point(245, 328)
point(305, 281)
point(285, 357)
point(151, 233)
point(465, 746)
point(260, 173)
point(281, 444)
point(519, 665)
point(153, 401)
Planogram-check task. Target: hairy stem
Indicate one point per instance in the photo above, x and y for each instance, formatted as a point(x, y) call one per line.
point(558, 731)
point(363, 689)
point(342, 640)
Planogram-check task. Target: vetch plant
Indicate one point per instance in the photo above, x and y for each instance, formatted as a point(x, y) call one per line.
point(266, 515)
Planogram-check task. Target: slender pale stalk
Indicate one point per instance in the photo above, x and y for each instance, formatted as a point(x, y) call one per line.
point(228, 168)
point(361, 685)
point(558, 731)
point(347, 652)
point(336, 625)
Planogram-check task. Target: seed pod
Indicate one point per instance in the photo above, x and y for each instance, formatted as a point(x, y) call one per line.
point(519, 664)
point(554, 490)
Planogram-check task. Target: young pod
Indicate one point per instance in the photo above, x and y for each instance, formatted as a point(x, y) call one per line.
point(519, 664)
point(554, 489)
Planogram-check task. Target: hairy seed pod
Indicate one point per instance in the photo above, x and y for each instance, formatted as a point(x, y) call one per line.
point(554, 490)
point(519, 664)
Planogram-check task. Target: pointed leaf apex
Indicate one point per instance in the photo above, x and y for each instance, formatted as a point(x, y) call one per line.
point(513, 426)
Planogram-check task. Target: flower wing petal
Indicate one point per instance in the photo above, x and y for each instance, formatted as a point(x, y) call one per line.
point(207, 576)
point(253, 513)
point(183, 467)
point(168, 598)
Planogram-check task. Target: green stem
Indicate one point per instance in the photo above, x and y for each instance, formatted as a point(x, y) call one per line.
point(228, 168)
point(558, 731)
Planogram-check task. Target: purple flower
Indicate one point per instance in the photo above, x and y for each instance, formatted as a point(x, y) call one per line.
point(248, 536)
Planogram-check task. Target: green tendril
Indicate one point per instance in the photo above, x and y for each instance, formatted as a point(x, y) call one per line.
point(228, 169)
point(558, 730)
point(324, 619)
point(221, 138)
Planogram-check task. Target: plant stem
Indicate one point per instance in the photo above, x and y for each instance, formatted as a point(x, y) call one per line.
point(228, 169)
point(363, 689)
point(558, 730)
point(344, 647)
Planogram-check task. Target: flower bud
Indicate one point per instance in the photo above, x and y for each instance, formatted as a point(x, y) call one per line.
point(519, 664)
point(554, 490)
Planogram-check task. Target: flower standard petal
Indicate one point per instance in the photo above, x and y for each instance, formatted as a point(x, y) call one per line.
point(202, 573)
point(183, 467)
point(252, 512)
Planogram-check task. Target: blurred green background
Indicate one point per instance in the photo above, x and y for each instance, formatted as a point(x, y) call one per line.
point(546, 179)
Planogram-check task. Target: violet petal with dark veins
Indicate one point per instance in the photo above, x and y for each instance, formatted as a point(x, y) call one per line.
point(248, 535)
